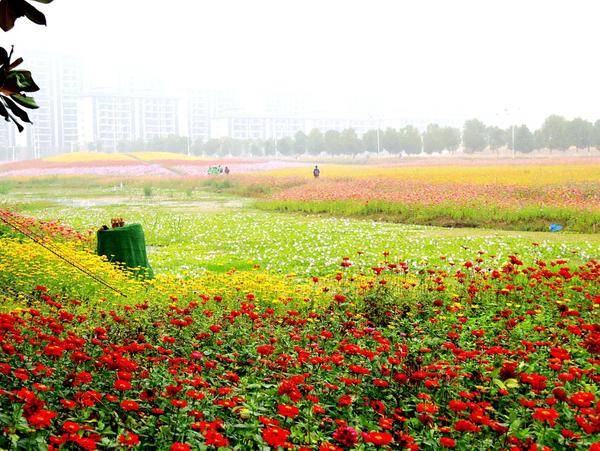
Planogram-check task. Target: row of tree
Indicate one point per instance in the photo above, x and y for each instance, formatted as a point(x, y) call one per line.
point(556, 133)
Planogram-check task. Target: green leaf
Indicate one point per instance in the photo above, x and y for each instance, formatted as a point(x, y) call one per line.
point(500, 384)
point(8, 15)
point(23, 100)
point(14, 108)
point(11, 10)
point(6, 115)
point(20, 80)
point(34, 14)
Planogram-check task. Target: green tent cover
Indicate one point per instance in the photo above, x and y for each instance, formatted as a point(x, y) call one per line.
point(126, 245)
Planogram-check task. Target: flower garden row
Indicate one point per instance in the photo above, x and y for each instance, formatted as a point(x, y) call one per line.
point(490, 355)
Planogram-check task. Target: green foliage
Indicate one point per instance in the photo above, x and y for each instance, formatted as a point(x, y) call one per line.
point(448, 215)
point(524, 139)
point(331, 142)
point(410, 140)
point(13, 86)
point(497, 137)
point(369, 140)
point(378, 305)
point(218, 231)
point(11, 10)
point(148, 191)
point(300, 143)
point(554, 133)
point(474, 136)
point(315, 142)
point(6, 186)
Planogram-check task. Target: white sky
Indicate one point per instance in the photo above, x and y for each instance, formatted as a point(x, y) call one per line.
point(387, 58)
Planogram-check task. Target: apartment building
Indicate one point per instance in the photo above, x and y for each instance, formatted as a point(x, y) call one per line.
point(109, 119)
point(56, 122)
point(7, 141)
point(155, 117)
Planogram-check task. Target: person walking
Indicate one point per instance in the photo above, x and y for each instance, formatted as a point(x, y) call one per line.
point(316, 172)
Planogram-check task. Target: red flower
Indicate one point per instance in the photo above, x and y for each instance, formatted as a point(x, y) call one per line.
point(466, 426)
point(346, 435)
point(582, 399)
point(71, 427)
point(275, 436)
point(179, 403)
point(41, 419)
point(548, 415)
point(287, 410)
point(427, 408)
point(345, 400)
point(265, 350)
point(177, 446)
point(122, 385)
point(377, 438)
point(130, 405)
point(216, 439)
point(129, 439)
point(447, 442)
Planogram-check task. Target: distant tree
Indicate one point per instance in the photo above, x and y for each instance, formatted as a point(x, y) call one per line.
point(450, 139)
point(285, 146)
point(197, 147)
point(433, 139)
point(579, 133)
point(350, 143)
point(496, 138)
point(524, 139)
point(554, 133)
point(331, 142)
point(391, 141)
point(410, 140)
point(236, 148)
point(369, 140)
point(474, 136)
point(300, 142)
point(595, 140)
point(270, 147)
point(538, 139)
point(314, 142)
point(256, 148)
point(212, 146)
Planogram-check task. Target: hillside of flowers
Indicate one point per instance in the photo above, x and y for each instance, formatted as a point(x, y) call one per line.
point(484, 353)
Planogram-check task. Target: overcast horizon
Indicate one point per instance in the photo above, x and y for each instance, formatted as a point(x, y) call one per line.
point(503, 62)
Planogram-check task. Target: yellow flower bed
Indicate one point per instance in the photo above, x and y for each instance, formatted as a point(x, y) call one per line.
point(527, 174)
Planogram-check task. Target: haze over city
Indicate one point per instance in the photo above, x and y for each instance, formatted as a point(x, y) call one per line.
point(500, 61)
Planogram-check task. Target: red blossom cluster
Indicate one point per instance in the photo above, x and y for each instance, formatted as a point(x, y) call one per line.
point(435, 368)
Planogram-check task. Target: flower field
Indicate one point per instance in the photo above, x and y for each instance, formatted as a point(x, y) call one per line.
point(530, 196)
point(267, 331)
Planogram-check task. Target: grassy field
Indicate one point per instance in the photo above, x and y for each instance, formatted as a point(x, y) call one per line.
point(191, 233)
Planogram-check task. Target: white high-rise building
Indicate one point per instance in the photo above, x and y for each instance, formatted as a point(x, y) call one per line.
point(109, 119)
point(8, 150)
point(56, 122)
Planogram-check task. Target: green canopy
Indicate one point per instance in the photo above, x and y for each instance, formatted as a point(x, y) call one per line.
point(126, 245)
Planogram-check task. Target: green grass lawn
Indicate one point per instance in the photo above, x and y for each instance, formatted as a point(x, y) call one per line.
point(190, 233)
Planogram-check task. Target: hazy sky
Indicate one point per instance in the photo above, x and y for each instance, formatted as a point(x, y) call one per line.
point(498, 60)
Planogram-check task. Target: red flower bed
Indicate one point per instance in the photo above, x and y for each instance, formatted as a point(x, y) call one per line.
point(483, 358)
